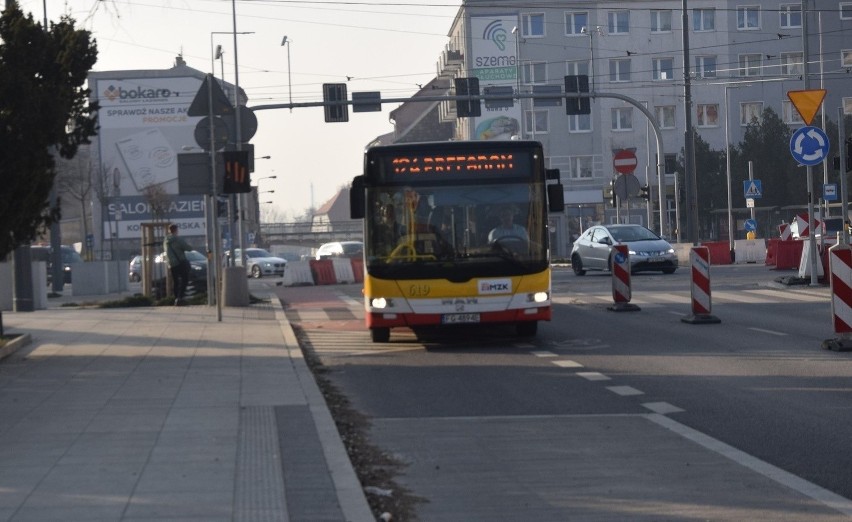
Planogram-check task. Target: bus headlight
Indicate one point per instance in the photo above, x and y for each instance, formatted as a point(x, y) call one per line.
point(381, 302)
point(538, 297)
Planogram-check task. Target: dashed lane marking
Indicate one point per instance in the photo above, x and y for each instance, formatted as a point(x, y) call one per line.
point(662, 408)
point(593, 376)
point(625, 391)
point(770, 332)
point(544, 354)
point(567, 364)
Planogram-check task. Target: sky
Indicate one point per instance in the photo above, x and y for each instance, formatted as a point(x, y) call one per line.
point(388, 46)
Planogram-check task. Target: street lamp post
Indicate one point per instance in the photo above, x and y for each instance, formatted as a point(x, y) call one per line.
point(728, 168)
point(286, 42)
point(590, 33)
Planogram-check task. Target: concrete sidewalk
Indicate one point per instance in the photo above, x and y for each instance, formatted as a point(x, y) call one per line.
point(166, 414)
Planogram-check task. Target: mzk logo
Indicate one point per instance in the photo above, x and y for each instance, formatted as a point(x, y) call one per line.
point(140, 93)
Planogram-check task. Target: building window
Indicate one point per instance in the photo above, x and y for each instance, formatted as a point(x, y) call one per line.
point(666, 116)
point(580, 123)
point(663, 68)
point(846, 11)
point(618, 22)
point(707, 115)
point(575, 21)
point(670, 163)
point(846, 58)
point(581, 167)
point(534, 72)
point(750, 111)
point(661, 21)
point(536, 122)
point(751, 64)
point(789, 113)
point(791, 64)
point(847, 105)
point(619, 70)
point(748, 17)
point(533, 24)
point(704, 19)
point(791, 16)
point(622, 119)
point(577, 68)
point(705, 66)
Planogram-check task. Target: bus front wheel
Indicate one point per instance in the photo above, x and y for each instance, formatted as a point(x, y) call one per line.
point(527, 328)
point(380, 335)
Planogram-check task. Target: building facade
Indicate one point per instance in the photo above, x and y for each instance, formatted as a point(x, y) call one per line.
point(743, 57)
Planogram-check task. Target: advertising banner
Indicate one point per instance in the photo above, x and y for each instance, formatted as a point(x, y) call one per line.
point(143, 127)
point(495, 63)
point(124, 215)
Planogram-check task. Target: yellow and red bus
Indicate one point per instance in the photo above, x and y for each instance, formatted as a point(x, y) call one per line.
point(456, 233)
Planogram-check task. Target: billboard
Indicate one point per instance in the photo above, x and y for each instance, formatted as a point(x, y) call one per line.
point(495, 63)
point(143, 127)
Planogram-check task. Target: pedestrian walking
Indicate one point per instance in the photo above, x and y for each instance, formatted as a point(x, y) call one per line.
point(179, 266)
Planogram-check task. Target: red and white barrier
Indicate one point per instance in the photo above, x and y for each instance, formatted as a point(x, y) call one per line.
point(699, 259)
point(785, 232)
point(803, 227)
point(840, 265)
point(621, 292)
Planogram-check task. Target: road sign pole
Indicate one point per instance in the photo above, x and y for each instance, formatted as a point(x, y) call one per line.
point(844, 196)
point(812, 228)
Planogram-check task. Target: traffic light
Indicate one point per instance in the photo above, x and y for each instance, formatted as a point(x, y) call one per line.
point(337, 112)
point(576, 84)
point(467, 87)
point(237, 179)
point(613, 198)
point(645, 192)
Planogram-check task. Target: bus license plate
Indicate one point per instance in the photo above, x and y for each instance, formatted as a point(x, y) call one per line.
point(459, 318)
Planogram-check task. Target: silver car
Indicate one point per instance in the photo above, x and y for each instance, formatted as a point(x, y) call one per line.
point(260, 263)
point(648, 251)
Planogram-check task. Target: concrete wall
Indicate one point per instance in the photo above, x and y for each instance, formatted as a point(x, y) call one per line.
point(39, 271)
point(99, 278)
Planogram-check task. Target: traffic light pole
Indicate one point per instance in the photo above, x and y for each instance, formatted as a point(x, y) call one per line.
point(844, 197)
point(471, 98)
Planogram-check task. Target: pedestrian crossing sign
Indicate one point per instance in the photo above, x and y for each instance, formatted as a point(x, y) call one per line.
point(752, 189)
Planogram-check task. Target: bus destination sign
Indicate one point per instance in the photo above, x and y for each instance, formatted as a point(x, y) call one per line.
point(458, 165)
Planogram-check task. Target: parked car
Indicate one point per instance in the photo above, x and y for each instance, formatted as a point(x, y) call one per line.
point(648, 251)
point(259, 263)
point(197, 275)
point(134, 271)
point(348, 249)
point(69, 258)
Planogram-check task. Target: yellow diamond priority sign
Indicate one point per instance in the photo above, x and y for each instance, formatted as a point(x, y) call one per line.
point(807, 102)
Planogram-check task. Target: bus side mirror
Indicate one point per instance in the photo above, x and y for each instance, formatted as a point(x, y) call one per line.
point(357, 203)
point(555, 198)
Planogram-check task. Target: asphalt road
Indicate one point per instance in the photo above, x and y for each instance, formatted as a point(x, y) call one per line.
point(757, 385)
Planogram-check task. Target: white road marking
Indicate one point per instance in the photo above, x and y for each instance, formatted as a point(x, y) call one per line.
point(544, 354)
point(662, 407)
point(827, 498)
point(784, 296)
point(593, 376)
point(567, 364)
point(625, 391)
point(771, 332)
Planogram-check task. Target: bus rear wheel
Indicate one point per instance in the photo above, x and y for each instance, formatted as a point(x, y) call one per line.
point(380, 335)
point(527, 328)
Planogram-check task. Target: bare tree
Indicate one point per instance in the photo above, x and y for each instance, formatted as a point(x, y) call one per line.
point(74, 179)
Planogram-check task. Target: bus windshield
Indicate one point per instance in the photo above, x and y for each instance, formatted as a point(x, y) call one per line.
point(455, 231)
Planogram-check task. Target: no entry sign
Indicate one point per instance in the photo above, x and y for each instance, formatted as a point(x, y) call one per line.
point(624, 161)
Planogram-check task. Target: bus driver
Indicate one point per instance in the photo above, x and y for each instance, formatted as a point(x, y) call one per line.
point(507, 228)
